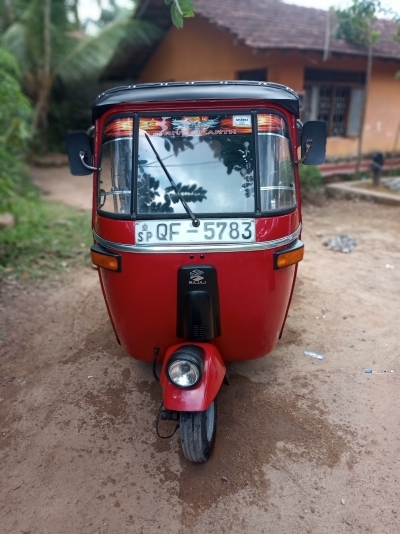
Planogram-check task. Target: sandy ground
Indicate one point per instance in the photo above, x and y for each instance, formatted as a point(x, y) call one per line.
point(303, 445)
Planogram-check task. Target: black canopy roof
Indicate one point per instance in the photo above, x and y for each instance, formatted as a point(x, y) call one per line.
point(211, 90)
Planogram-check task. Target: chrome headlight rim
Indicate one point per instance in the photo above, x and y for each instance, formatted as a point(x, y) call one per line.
point(191, 354)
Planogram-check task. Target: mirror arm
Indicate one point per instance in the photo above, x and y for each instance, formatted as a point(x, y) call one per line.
point(308, 148)
point(82, 155)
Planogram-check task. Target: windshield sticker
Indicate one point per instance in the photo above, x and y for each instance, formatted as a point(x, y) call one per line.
point(242, 120)
point(195, 126)
point(199, 125)
point(119, 128)
point(271, 123)
point(155, 125)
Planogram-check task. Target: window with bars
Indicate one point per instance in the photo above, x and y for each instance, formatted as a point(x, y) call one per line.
point(333, 103)
point(335, 97)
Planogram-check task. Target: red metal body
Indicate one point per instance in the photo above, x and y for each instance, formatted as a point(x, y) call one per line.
point(142, 298)
point(198, 398)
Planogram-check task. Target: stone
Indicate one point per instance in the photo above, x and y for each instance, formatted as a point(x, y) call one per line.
point(392, 183)
point(341, 243)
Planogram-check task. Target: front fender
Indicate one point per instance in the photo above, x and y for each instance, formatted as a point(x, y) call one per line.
point(200, 397)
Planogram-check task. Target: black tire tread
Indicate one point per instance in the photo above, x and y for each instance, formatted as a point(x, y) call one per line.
point(193, 436)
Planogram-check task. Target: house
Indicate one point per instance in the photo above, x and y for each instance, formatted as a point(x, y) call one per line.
point(268, 40)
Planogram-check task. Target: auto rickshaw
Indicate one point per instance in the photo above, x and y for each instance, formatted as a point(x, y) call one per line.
point(196, 226)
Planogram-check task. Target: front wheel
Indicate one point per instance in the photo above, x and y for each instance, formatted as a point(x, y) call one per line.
point(198, 430)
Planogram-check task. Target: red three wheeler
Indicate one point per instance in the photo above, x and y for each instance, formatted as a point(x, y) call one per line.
point(196, 224)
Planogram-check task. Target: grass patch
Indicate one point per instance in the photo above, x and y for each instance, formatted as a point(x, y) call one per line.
point(48, 238)
point(310, 178)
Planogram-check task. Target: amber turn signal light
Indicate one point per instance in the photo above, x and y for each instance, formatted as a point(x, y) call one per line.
point(105, 259)
point(289, 256)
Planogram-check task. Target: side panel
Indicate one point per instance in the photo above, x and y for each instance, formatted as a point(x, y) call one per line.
point(115, 230)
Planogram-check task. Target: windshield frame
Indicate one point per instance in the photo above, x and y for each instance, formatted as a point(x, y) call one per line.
point(257, 213)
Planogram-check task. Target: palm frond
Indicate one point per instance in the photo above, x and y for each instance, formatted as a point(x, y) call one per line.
point(91, 55)
point(14, 40)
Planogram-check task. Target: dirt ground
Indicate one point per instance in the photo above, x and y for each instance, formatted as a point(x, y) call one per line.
point(303, 446)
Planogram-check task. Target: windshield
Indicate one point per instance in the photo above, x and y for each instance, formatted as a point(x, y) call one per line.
point(196, 165)
point(210, 159)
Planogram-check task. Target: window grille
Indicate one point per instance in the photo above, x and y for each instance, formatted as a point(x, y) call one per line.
point(335, 97)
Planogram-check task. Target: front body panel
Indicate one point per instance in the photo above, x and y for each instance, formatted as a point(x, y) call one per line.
point(142, 300)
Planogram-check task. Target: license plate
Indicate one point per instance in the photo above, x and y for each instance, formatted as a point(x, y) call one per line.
point(182, 232)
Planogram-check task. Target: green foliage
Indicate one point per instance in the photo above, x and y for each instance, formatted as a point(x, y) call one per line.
point(310, 178)
point(397, 38)
point(64, 116)
point(14, 180)
point(15, 132)
point(15, 109)
point(47, 238)
point(9, 65)
point(180, 9)
point(51, 46)
point(355, 24)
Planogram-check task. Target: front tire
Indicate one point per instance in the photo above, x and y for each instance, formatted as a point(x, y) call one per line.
point(198, 430)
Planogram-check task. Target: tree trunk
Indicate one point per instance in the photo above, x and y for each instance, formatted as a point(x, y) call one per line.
point(364, 108)
point(10, 11)
point(76, 14)
point(40, 117)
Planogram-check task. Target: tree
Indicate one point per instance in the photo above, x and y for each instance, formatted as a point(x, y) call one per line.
point(15, 131)
point(49, 43)
point(356, 25)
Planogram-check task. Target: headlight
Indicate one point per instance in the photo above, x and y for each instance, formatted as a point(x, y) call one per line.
point(183, 374)
point(185, 366)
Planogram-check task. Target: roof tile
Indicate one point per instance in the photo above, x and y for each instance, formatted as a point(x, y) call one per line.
point(266, 24)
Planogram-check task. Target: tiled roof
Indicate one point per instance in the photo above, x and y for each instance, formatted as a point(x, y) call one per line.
point(266, 24)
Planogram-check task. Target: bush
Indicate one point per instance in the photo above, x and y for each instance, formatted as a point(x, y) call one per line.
point(15, 181)
point(310, 178)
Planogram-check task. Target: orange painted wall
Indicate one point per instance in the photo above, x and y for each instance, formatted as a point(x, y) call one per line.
point(201, 51)
point(383, 111)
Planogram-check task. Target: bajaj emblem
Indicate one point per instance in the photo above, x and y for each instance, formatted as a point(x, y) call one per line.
point(196, 277)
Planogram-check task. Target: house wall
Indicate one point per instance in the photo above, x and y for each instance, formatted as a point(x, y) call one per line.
point(201, 51)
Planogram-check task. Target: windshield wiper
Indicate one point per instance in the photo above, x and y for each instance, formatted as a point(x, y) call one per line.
point(195, 221)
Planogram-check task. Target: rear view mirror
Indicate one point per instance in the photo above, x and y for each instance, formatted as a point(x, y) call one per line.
point(79, 154)
point(313, 142)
